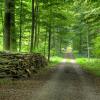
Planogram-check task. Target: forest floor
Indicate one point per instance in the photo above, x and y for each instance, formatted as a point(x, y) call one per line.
point(67, 81)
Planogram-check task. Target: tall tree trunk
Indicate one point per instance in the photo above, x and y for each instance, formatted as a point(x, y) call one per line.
point(60, 44)
point(2, 20)
point(13, 42)
point(36, 24)
point(80, 44)
point(9, 26)
point(1, 13)
point(33, 25)
point(88, 41)
point(38, 34)
point(88, 48)
point(20, 36)
point(45, 42)
point(49, 44)
point(49, 36)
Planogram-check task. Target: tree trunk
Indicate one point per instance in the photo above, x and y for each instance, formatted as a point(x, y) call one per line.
point(49, 44)
point(20, 36)
point(9, 26)
point(88, 48)
point(36, 23)
point(33, 25)
point(60, 44)
point(45, 43)
point(80, 44)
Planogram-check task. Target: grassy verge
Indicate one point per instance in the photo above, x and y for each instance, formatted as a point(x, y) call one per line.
point(91, 65)
point(5, 81)
point(55, 60)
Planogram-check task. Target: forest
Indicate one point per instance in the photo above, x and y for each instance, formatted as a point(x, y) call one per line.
point(48, 27)
point(49, 49)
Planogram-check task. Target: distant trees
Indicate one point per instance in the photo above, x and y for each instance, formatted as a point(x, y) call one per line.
point(27, 28)
point(86, 27)
point(47, 26)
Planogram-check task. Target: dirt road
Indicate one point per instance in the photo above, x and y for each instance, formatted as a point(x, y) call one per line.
point(69, 82)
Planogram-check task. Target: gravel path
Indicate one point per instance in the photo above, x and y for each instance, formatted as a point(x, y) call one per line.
point(68, 82)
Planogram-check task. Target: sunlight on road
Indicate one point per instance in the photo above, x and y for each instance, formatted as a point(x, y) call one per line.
point(64, 61)
point(71, 61)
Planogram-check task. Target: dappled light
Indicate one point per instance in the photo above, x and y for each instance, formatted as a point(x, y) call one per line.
point(73, 61)
point(64, 61)
point(49, 49)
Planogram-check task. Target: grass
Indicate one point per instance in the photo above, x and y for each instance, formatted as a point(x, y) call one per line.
point(68, 60)
point(5, 81)
point(91, 65)
point(55, 60)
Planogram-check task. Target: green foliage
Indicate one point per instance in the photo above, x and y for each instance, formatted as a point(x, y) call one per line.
point(69, 22)
point(96, 46)
point(55, 60)
point(91, 65)
point(76, 53)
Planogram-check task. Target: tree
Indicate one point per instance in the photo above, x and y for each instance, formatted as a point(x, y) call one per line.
point(20, 36)
point(33, 25)
point(9, 26)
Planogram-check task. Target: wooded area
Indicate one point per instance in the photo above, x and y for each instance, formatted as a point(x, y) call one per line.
point(50, 26)
point(49, 49)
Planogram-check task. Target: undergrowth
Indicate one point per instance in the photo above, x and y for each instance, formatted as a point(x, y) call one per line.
point(91, 65)
point(55, 60)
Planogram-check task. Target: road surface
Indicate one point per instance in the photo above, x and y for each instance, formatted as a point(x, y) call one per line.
point(69, 82)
